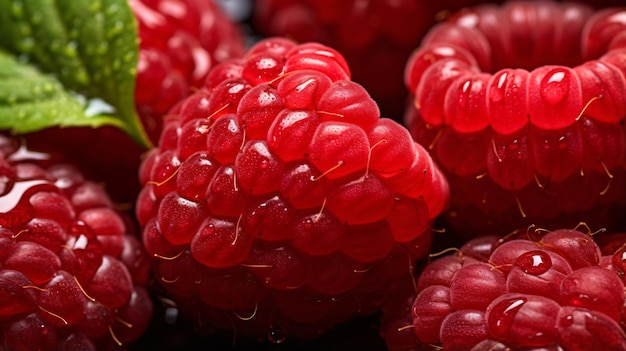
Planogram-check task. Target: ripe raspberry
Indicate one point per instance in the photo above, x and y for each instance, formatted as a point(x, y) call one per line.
point(534, 91)
point(278, 201)
point(179, 41)
point(551, 292)
point(73, 273)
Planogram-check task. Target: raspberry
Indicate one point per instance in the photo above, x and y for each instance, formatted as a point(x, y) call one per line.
point(278, 202)
point(533, 90)
point(539, 290)
point(74, 273)
point(179, 41)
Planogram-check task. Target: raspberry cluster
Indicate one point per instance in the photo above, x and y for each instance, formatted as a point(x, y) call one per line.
point(72, 271)
point(542, 113)
point(534, 290)
point(279, 201)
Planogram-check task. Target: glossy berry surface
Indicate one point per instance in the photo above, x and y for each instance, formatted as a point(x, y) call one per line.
point(279, 202)
point(536, 290)
point(371, 35)
point(533, 90)
point(73, 274)
point(179, 42)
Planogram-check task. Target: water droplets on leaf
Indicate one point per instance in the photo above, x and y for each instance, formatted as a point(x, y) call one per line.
point(97, 106)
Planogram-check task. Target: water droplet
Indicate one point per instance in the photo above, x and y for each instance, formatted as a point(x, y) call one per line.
point(13, 197)
point(98, 106)
point(555, 86)
point(503, 314)
point(534, 262)
point(276, 335)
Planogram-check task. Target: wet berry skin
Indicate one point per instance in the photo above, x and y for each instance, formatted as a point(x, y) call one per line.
point(277, 198)
point(543, 117)
point(535, 290)
point(73, 272)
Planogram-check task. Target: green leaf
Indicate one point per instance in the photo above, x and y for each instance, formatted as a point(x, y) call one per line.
point(31, 101)
point(90, 46)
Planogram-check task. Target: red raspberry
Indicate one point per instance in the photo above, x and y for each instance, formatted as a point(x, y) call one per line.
point(545, 139)
point(552, 292)
point(73, 272)
point(179, 41)
point(278, 201)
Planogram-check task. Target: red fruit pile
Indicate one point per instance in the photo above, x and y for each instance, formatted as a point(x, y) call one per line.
point(376, 37)
point(72, 273)
point(557, 291)
point(535, 91)
point(179, 42)
point(278, 201)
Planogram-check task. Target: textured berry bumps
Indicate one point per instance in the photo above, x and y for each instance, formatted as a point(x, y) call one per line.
point(376, 37)
point(535, 91)
point(72, 272)
point(179, 43)
point(534, 290)
point(278, 201)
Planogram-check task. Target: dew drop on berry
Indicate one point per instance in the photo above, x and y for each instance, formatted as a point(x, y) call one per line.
point(506, 100)
point(534, 262)
point(555, 97)
point(523, 320)
point(465, 105)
